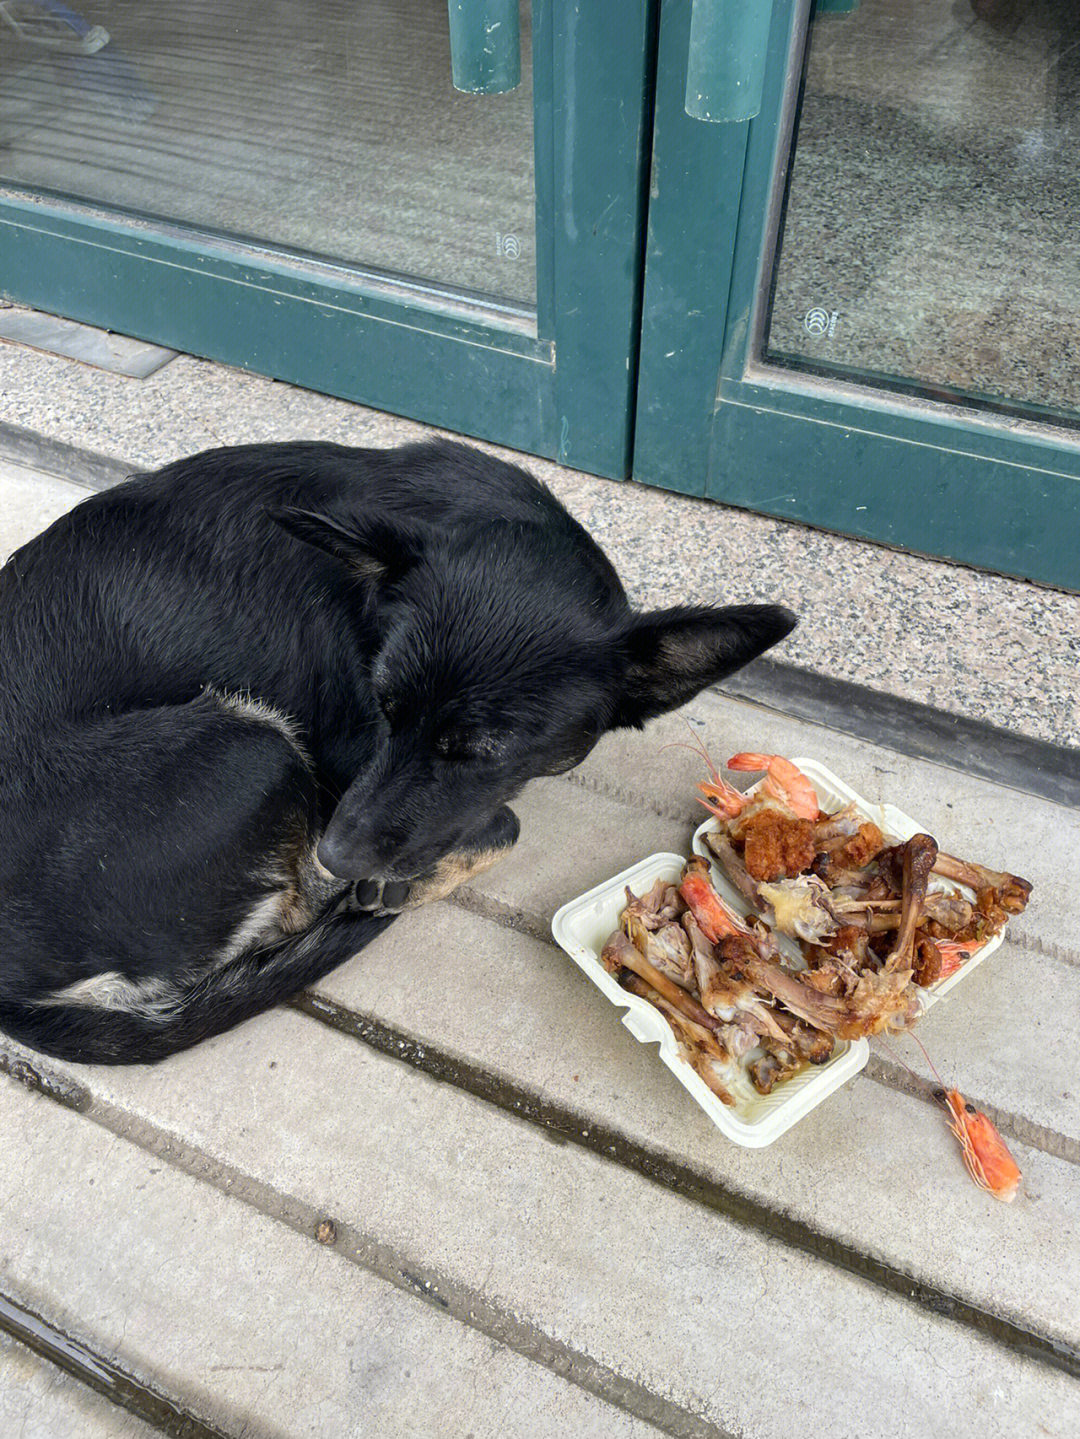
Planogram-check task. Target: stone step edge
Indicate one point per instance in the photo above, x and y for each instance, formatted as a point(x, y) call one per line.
point(102, 1374)
point(880, 1071)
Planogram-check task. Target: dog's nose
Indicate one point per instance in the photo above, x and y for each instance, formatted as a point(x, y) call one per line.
point(346, 861)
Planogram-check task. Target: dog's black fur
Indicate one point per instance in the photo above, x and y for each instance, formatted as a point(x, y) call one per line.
point(232, 688)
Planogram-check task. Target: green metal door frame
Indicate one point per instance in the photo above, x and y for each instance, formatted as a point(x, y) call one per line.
point(559, 384)
point(714, 420)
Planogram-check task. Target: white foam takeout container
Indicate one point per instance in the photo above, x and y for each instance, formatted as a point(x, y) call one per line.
point(582, 927)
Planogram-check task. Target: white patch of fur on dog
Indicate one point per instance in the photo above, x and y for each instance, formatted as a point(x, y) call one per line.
point(112, 990)
point(262, 926)
point(156, 998)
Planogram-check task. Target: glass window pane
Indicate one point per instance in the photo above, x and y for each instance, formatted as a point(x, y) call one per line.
point(325, 126)
point(930, 240)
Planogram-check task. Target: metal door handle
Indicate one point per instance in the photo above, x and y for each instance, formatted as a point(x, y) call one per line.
point(485, 46)
point(726, 64)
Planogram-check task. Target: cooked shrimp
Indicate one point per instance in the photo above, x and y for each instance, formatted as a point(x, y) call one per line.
point(985, 1156)
point(714, 917)
point(720, 798)
point(783, 781)
point(953, 953)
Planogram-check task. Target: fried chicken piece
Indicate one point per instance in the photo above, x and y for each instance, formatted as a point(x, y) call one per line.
point(919, 853)
point(826, 977)
point(709, 1071)
point(807, 1042)
point(777, 846)
point(949, 911)
point(1011, 892)
point(890, 868)
point(685, 1029)
point(802, 907)
point(732, 865)
point(667, 948)
point(841, 876)
point(863, 846)
point(837, 827)
point(771, 1067)
point(878, 1001)
point(660, 906)
point(619, 954)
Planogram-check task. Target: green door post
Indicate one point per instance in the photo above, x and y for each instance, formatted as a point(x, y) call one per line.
point(485, 46)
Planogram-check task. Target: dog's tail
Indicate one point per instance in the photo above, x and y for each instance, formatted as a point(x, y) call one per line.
point(245, 986)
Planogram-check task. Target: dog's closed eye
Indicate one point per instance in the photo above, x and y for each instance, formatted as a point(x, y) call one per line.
point(392, 708)
point(465, 745)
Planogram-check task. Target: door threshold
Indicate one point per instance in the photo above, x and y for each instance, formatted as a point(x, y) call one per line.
point(119, 354)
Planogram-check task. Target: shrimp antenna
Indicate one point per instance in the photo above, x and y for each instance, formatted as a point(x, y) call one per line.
point(698, 747)
point(926, 1056)
point(903, 1062)
point(897, 1056)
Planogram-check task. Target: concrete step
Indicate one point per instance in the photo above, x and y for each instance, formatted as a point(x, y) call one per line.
point(31, 501)
point(690, 1310)
point(648, 1261)
point(873, 1169)
point(1004, 1033)
point(254, 1327)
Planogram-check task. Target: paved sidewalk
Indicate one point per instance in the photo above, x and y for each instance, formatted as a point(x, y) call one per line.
point(530, 1228)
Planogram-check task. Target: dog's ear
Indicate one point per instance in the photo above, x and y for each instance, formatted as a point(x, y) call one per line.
point(673, 654)
point(374, 549)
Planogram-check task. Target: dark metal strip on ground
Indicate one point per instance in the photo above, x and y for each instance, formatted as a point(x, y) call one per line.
point(102, 1375)
point(563, 1123)
point(422, 1282)
point(1035, 766)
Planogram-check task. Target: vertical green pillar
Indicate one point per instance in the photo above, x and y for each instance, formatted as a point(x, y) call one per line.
point(485, 46)
point(726, 64)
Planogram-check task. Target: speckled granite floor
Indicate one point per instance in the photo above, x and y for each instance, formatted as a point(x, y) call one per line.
point(974, 644)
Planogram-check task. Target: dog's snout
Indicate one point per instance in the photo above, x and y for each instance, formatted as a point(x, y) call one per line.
point(344, 859)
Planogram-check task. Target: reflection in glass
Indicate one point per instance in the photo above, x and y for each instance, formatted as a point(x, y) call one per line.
point(326, 126)
point(932, 231)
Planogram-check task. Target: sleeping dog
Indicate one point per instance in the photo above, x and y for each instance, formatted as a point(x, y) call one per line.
point(254, 703)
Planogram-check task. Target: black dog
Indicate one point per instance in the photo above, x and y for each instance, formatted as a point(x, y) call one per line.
point(232, 689)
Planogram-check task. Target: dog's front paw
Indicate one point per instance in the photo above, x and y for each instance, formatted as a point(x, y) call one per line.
point(377, 896)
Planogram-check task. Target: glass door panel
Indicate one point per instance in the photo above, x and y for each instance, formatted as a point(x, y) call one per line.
point(929, 239)
point(297, 188)
point(844, 293)
point(327, 127)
